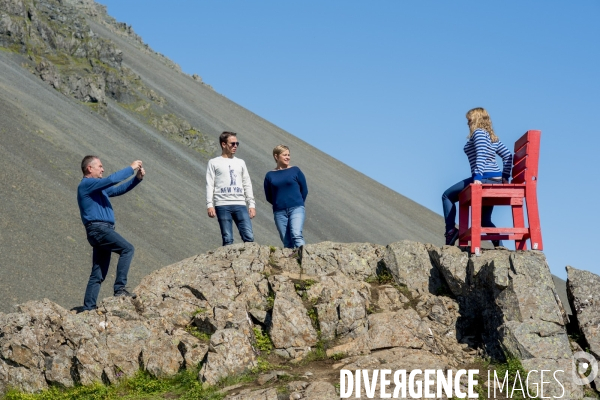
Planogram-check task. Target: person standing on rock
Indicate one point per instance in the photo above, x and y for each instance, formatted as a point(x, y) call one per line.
point(228, 190)
point(98, 218)
point(481, 149)
point(286, 189)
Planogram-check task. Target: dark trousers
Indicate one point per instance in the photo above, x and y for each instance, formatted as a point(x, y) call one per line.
point(238, 214)
point(450, 197)
point(103, 238)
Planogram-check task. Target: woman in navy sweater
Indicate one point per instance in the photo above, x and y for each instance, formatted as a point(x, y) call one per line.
point(481, 149)
point(286, 190)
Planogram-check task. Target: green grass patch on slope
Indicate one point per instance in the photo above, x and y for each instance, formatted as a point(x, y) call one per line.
point(184, 386)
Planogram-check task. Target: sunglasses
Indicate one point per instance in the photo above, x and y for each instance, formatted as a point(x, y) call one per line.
point(233, 144)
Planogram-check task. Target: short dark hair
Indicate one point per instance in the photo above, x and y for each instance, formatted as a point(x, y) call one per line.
point(87, 160)
point(225, 135)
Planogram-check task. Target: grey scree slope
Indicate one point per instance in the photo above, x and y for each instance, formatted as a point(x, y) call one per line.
point(44, 135)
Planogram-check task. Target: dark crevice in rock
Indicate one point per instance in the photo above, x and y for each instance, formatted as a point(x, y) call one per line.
point(379, 349)
point(104, 378)
point(479, 322)
point(74, 371)
point(230, 325)
point(240, 294)
point(204, 325)
point(12, 363)
point(313, 314)
point(203, 363)
point(438, 284)
point(182, 349)
point(381, 267)
point(265, 324)
point(512, 267)
point(572, 327)
point(195, 292)
point(269, 319)
point(141, 360)
point(48, 382)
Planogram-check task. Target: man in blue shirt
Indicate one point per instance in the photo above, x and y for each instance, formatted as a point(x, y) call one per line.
point(99, 220)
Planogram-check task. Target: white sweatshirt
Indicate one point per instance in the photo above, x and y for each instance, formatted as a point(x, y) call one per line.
point(228, 183)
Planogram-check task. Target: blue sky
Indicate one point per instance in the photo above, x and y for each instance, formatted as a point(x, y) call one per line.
point(384, 87)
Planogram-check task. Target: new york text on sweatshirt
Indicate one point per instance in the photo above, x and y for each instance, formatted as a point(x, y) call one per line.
point(228, 183)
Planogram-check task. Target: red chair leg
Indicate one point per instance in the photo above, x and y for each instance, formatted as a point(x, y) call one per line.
point(463, 223)
point(476, 219)
point(519, 222)
point(533, 217)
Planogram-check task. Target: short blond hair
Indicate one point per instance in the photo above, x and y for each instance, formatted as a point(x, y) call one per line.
point(479, 118)
point(280, 148)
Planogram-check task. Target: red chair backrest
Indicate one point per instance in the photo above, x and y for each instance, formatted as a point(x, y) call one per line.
point(526, 158)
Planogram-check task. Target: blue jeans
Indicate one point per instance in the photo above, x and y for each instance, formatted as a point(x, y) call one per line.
point(103, 238)
point(289, 223)
point(450, 197)
point(238, 214)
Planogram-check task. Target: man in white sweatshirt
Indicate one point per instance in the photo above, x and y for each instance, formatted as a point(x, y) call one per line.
point(228, 190)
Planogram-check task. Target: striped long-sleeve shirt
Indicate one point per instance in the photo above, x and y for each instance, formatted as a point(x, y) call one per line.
point(481, 152)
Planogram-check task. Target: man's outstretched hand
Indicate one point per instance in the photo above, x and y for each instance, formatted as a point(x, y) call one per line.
point(136, 165)
point(140, 174)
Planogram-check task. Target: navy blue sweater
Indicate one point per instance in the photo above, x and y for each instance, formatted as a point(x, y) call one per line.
point(285, 188)
point(93, 194)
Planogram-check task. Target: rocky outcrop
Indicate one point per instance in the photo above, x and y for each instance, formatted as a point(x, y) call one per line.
point(60, 47)
point(451, 262)
point(410, 264)
point(291, 330)
point(230, 353)
point(43, 344)
point(525, 318)
point(513, 296)
point(583, 291)
point(340, 306)
point(99, 14)
point(355, 260)
point(373, 307)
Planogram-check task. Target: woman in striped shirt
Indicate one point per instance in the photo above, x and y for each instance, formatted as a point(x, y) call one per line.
point(481, 149)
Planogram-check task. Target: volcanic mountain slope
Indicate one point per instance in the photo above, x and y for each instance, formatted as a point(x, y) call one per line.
point(75, 82)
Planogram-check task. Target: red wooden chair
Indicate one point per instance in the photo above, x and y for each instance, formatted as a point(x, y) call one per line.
point(522, 187)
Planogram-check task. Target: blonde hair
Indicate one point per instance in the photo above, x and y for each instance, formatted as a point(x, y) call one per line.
point(478, 118)
point(280, 148)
